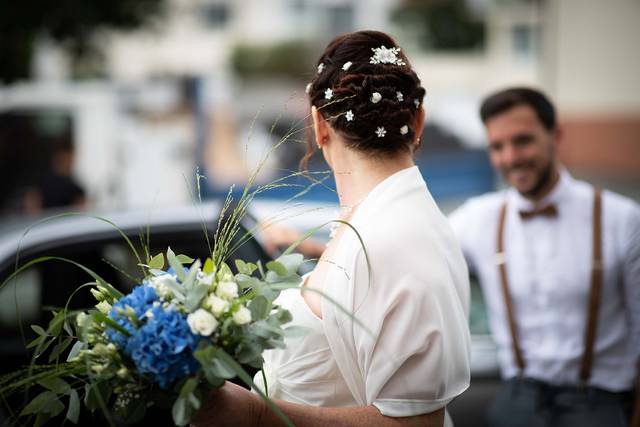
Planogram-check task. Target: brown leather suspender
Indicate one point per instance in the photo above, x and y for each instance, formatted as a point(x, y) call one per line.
point(594, 293)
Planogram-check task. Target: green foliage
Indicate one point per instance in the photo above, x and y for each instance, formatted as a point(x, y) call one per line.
point(72, 23)
point(442, 25)
point(290, 59)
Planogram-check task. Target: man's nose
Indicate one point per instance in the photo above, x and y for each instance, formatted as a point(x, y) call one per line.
point(511, 155)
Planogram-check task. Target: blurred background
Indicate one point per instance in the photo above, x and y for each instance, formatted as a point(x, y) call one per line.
point(115, 105)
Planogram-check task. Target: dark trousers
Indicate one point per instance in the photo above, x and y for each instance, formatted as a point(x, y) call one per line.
point(531, 403)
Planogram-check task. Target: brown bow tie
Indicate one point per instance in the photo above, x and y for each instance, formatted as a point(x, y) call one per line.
point(548, 211)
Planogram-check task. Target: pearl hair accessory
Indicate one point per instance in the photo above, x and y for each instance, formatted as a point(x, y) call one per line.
point(347, 65)
point(417, 103)
point(404, 130)
point(381, 132)
point(307, 89)
point(375, 97)
point(349, 116)
point(320, 67)
point(328, 94)
point(400, 96)
point(382, 55)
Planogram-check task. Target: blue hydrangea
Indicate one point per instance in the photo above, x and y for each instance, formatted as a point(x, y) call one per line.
point(163, 348)
point(140, 300)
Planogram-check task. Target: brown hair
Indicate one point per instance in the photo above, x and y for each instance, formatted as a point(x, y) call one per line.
point(352, 91)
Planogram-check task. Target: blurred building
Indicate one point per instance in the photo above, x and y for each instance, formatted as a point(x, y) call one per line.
point(214, 74)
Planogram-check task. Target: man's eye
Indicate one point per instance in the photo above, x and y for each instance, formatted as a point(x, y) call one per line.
point(523, 139)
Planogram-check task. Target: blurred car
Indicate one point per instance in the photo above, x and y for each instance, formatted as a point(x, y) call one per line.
point(99, 246)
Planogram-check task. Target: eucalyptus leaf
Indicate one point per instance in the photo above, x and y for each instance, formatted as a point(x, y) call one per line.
point(36, 341)
point(208, 266)
point(277, 268)
point(259, 307)
point(296, 331)
point(179, 412)
point(245, 281)
point(175, 264)
point(245, 267)
point(194, 296)
point(91, 400)
point(291, 262)
point(191, 275)
point(184, 259)
point(157, 262)
point(188, 387)
point(73, 412)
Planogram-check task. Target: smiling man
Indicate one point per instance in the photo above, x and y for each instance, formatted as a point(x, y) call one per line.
point(559, 264)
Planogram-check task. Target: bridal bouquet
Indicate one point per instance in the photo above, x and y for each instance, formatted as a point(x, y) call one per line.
point(178, 334)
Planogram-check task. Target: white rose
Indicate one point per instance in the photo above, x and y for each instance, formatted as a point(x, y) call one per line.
point(162, 285)
point(227, 290)
point(217, 305)
point(104, 307)
point(202, 322)
point(242, 316)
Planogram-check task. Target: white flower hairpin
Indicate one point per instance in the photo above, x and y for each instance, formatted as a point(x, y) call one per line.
point(382, 55)
point(328, 94)
point(404, 130)
point(349, 116)
point(347, 65)
point(417, 103)
point(375, 97)
point(381, 132)
point(400, 96)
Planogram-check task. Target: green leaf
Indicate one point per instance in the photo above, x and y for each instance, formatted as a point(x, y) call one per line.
point(184, 259)
point(194, 296)
point(66, 327)
point(73, 412)
point(56, 385)
point(60, 347)
point(245, 281)
point(189, 279)
point(259, 307)
point(46, 402)
point(175, 264)
point(245, 268)
point(291, 262)
point(38, 330)
point(55, 325)
point(94, 393)
point(75, 349)
point(41, 349)
point(208, 266)
point(180, 412)
point(36, 341)
point(157, 262)
point(188, 387)
point(277, 268)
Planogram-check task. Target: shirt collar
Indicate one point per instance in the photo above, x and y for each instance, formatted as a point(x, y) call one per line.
point(555, 197)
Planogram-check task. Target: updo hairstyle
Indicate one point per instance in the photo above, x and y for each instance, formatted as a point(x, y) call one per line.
point(370, 96)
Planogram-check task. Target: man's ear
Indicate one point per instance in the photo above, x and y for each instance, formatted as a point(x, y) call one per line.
point(320, 126)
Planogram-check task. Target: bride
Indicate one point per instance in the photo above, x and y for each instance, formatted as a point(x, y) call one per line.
point(389, 346)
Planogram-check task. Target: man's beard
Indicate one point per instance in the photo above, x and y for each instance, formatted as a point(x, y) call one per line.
point(544, 179)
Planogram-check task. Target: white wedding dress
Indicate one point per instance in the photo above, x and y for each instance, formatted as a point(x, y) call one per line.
point(412, 354)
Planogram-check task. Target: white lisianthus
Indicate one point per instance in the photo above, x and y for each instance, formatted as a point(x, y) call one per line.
point(104, 307)
point(206, 279)
point(242, 316)
point(202, 322)
point(217, 305)
point(81, 319)
point(227, 290)
point(162, 285)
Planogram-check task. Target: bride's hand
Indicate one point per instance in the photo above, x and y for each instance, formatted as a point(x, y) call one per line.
point(230, 405)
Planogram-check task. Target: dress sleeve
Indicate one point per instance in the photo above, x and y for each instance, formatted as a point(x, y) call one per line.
point(401, 339)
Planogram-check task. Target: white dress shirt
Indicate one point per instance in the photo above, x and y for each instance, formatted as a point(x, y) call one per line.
point(548, 262)
point(413, 356)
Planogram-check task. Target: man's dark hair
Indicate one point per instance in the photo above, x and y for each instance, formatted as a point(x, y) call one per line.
point(504, 100)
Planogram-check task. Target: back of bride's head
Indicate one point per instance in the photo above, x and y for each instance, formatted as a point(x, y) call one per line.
point(367, 91)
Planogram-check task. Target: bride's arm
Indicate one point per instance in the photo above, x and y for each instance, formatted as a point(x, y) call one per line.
point(235, 406)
